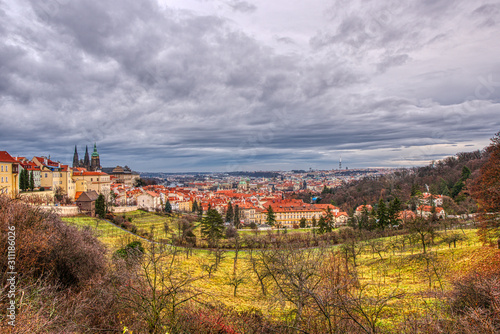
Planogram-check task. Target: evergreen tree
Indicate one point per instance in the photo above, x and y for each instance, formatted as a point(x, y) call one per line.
point(212, 227)
point(303, 222)
point(322, 226)
point(168, 207)
point(314, 222)
point(22, 181)
point(195, 206)
point(200, 210)
point(100, 206)
point(229, 213)
point(393, 212)
point(32, 181)
point(271, 217)
point(237, 218)
point(329, 220)
point(382, 214)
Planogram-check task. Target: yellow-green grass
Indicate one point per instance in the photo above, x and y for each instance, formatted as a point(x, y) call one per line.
point(403, 270)
point(108, 233)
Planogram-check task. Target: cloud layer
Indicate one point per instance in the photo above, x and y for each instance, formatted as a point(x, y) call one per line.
point(160, 87)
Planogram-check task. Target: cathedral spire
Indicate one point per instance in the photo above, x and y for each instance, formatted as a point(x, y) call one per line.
point(86, 160)
point(76, 161)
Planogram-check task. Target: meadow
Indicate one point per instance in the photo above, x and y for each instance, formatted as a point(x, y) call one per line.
point(394, 271)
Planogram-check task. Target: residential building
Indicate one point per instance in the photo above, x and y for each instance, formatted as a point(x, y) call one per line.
point(9, 171)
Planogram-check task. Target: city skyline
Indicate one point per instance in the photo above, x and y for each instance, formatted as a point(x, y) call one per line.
point(249, 85)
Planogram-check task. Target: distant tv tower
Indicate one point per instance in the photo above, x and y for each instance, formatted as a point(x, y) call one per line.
point(340, 163)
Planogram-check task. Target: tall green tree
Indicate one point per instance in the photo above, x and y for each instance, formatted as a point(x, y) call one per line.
point(382, 214)
point(32, 181)
point(100, 206)
point(322, 225)
point(229, 213)
point(22, 180)
point(237, 218)
point(393, 211)
point(303, 222)
point(330, 222)
point(271, 217)
point(168, 207)
point(195, 206)
point(212, 227)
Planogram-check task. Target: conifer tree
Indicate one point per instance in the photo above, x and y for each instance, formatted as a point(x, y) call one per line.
point(271, 217)
point(32, 181)
point(168, 207)
point(237, 218)
point(229, 213)
point(212, 227)
point(322, 226)
point(22, 180)
point(100, 206)
point(382, 214)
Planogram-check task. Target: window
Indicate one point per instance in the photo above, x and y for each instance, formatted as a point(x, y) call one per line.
point(45, 174)
point(2, 179)
point(6, 179)
point(2, 168)
point(6, 168)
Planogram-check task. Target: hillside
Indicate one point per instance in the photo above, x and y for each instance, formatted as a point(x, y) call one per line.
point(442, 177)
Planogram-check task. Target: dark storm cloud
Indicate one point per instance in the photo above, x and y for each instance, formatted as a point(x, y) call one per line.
point(163, 89)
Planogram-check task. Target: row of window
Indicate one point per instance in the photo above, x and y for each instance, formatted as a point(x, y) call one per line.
point(6, 179)
point(6, 168)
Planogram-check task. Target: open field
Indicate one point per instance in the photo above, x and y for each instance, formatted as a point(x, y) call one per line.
point(393, 265)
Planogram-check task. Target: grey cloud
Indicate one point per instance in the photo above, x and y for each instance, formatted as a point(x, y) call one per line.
point(163, 89)
point(241, 6)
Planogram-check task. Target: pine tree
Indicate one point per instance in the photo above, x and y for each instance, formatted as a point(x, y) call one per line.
point(237, 218)
point(22, 181)
point(195, 207)
point(329, 220)
point(168, 207)
point(212, 227)
point(382, 214)
point(393, 211)
point(229, 213)
point(303, 222)
point(100, 206)
point(322, 226)
point(32, 181)
point(271, 217)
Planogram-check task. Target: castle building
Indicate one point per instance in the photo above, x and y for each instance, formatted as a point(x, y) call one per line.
point(90, 164)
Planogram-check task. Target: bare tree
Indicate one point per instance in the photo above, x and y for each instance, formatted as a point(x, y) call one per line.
point(156, 287)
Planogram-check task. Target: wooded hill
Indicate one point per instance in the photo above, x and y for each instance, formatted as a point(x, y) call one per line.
point(448, 177)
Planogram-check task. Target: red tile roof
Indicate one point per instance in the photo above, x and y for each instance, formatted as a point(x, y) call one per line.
point(6, 157)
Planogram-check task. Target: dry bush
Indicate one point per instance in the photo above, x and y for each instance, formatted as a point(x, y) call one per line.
point(47, 247)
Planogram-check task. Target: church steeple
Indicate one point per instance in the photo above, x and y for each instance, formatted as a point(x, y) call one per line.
point(76, 161)
point(86, 160)
point(95, 163)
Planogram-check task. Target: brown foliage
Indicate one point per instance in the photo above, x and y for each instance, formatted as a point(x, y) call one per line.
point(47, 247)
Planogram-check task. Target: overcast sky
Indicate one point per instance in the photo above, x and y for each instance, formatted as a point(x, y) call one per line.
point(202, 85)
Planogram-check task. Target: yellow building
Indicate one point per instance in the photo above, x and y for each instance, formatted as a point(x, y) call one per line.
point(51, 176)
point(98, 181)
point(8, 175)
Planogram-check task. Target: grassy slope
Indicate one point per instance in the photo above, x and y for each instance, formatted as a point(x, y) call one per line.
point(402, 269)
